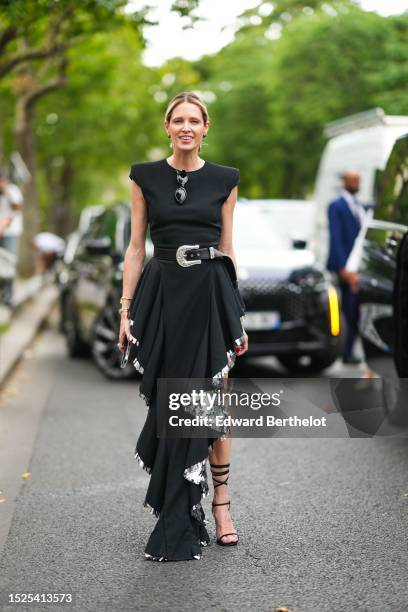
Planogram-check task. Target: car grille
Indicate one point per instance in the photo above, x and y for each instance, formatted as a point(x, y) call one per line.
point(263, 294)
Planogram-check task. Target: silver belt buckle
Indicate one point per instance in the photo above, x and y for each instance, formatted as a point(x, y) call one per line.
point(181, 255)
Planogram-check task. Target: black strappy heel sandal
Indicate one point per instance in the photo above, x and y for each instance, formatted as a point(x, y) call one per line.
point(228, 503)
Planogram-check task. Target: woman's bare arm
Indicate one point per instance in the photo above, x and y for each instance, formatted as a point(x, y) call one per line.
point(227, 213)
point(134, 259)
point(226, 246)
point(136, 251)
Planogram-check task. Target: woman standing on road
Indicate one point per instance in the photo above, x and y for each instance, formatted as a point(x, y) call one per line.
point(182, 320)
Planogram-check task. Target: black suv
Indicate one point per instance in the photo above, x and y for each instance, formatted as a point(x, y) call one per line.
point(384, 271)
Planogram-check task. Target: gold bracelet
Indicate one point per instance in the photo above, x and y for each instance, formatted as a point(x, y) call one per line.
point(123, 310)
point(124, 298)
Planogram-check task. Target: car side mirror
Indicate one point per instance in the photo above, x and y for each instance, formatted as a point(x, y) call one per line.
point(98, 246)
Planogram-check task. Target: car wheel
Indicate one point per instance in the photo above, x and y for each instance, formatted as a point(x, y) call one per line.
point(104, 347)
point(75, 345)
point(308, 364)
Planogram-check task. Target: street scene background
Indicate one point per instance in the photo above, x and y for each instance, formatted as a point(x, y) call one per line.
point(83, 89)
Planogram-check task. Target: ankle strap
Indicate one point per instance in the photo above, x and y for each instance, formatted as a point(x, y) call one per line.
point(220, 473)
point(223, 473)
point(224, 465)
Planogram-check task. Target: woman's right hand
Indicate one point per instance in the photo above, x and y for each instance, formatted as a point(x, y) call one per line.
point(124, 333)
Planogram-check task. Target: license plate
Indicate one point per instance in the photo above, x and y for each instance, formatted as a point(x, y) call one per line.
point(262, 320)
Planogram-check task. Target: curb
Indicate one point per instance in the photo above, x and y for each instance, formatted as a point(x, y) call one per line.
point(24, 327)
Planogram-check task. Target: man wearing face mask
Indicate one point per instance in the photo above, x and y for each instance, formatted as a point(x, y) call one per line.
point(346, 216)
point(11, 222)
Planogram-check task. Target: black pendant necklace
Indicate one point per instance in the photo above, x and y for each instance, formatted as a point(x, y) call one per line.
point(181, 194)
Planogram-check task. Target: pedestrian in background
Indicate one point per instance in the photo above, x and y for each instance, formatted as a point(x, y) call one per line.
point(50, 248)
point(11, 223)
point(346, 216)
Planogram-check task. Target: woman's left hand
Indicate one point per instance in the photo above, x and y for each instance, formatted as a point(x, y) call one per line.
point(242, 348)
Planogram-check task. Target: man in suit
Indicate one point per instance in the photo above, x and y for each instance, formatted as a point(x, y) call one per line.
point(346, 215)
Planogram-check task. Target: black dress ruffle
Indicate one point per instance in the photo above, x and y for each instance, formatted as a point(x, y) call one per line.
point(187, 323)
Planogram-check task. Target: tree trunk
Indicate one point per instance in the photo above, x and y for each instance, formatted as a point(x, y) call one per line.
point(59, 182)
point(29, 87)
point(25, 145)
point(2, 159)
point(63, 221)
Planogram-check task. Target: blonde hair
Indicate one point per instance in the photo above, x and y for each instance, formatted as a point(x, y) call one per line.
point(187, 96)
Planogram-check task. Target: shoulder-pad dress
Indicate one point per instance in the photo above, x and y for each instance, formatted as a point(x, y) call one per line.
point(188, 322)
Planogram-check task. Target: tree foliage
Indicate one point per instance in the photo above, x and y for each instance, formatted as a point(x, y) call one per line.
point(275, 96)
point(270, 92)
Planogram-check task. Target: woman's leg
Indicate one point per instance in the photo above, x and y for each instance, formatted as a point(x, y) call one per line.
point(220, 455)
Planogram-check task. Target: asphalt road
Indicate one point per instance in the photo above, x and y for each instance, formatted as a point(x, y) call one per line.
point(322, 522)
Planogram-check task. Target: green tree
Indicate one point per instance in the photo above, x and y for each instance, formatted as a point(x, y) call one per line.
point(324, 67)
point(88, 131)
point(275, 94)
point(35, 41)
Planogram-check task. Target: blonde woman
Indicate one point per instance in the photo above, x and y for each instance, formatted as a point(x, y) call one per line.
point(182, 320)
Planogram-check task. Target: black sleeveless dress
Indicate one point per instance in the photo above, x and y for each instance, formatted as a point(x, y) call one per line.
point(188, 321)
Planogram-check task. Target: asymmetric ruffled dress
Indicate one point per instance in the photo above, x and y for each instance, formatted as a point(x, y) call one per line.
point(188, 323)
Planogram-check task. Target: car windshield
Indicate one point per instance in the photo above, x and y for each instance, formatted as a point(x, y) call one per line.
point(271, 227)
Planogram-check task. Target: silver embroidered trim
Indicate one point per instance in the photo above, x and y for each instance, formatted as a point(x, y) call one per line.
point(138, 365)
point(146, 399)
point(204, 409)
point(231, 358)
point(152, 558)
point(152, 510)
point(197, 473)
point(161, 559)
point(142, 464)
point(197, 512)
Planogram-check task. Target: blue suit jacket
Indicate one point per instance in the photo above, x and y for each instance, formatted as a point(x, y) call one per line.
point(343, 229)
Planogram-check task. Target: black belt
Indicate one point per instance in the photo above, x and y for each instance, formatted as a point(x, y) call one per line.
point(188, 255)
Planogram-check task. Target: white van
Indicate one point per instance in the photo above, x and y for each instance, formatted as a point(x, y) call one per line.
point(361, 142)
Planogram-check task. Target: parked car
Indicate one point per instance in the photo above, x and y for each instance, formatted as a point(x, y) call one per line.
point(292, 308)
point(91, 285)
point(296, 218)
point(384, 271)
point(87, 217)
